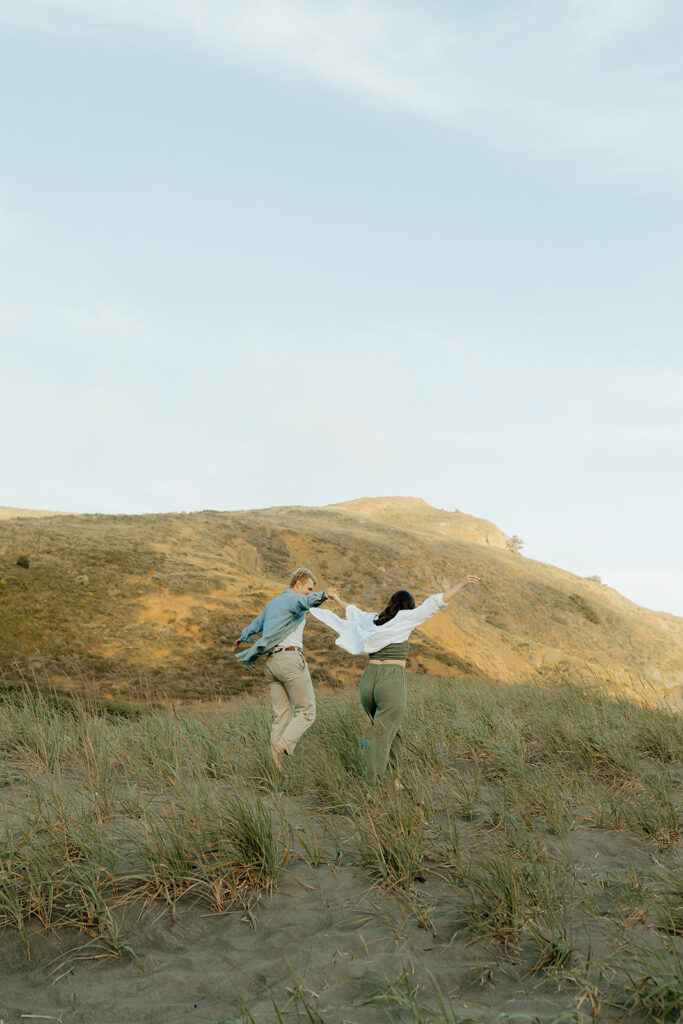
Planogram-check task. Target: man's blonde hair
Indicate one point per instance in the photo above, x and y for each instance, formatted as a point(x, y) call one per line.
point(301, 574)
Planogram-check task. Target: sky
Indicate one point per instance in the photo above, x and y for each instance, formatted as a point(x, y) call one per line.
point(275, 252)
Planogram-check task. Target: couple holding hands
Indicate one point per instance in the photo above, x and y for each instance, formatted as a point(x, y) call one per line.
point(385, 637)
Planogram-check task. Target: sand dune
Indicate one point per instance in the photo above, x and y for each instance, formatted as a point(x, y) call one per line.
point(528, 867)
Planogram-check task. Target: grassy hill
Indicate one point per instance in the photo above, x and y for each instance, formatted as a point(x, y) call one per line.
point(149, 605)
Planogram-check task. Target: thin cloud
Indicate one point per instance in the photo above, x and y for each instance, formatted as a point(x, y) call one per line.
point(362, 46)
point(598, 22)
point(527, 75)
point(12, 226)
point(72, 322)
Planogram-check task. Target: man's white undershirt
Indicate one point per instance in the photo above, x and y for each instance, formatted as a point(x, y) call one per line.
point(295, 638)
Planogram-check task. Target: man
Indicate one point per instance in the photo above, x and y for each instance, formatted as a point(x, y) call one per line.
point(281, 625)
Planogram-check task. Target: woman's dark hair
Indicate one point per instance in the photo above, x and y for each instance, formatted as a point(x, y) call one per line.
point(398, 602)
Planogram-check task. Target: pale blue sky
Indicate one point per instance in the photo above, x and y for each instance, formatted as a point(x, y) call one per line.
point(283, 252)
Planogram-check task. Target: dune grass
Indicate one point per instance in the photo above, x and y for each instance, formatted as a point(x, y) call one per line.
point(504, 789)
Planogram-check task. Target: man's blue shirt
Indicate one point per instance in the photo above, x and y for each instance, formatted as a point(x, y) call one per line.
point(280, 616)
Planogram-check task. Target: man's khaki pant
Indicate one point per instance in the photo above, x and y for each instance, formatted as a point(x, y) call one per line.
point(291, 692)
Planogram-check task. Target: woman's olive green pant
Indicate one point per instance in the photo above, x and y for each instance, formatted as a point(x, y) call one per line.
point(383, 694)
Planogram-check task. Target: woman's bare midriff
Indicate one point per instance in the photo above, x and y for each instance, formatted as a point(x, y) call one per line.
point(387, 661)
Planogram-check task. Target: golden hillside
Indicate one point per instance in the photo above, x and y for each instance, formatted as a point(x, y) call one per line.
point(8, 512)
point(149, 605)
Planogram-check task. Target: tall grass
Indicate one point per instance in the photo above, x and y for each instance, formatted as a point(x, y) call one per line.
point(102, 807)
point(655, 983)
point(394, 837)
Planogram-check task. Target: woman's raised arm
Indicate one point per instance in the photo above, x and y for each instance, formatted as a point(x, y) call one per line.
point(334, 595)
point(353, 614)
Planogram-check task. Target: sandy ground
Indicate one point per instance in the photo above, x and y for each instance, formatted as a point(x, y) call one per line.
point(324, 929)
point(330, 933)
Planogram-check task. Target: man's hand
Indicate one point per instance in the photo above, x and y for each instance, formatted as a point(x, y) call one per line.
point(236, 644)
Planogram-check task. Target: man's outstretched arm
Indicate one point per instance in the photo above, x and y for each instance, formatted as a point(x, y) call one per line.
point(254, 627)
point(305, 601)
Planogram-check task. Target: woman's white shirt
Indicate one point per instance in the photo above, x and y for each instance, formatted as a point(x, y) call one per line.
point(358, 633)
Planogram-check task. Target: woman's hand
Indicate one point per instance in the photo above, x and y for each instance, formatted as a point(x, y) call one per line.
point(466, 581)
point(469, 580)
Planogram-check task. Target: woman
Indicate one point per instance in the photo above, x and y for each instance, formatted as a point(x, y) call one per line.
point(386, 638)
